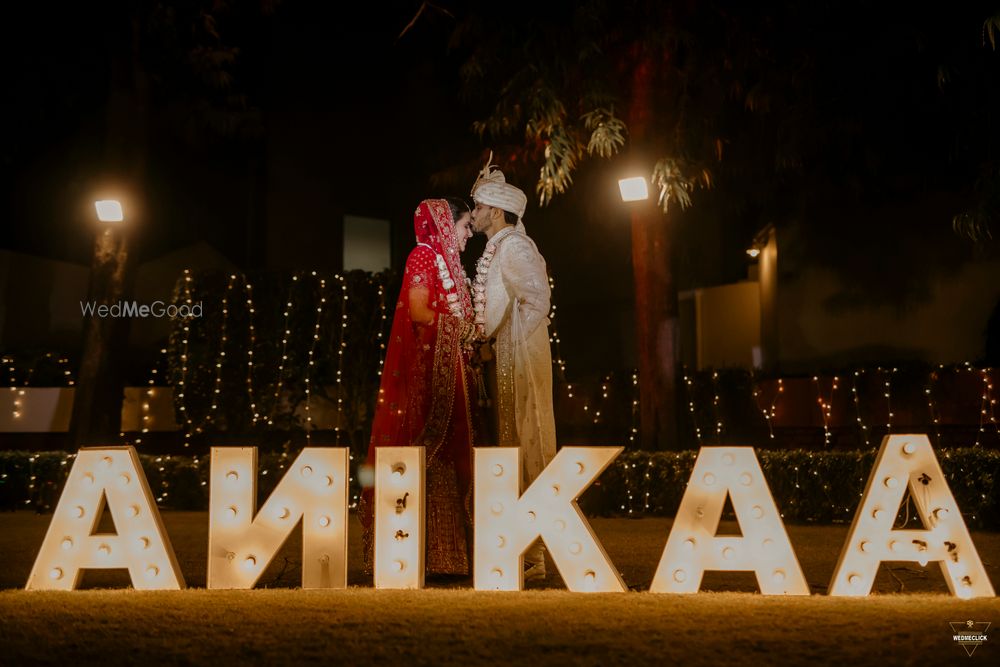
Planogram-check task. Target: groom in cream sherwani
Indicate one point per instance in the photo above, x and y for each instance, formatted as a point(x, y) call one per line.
point(511, 299)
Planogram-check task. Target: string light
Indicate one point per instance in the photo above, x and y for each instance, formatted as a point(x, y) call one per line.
point(825, 406)
point(715, 407)
point(991, 401)
point(768, 413)
point(888, 400)
point(635, 407)
point(148, 394)
point(251, 344)
point(182, 383)
point(217, 386)
point(340, 356)
point(381, 330)
point(857, 409)
point(284, 353)
point(694, 417)
point(929, 391)
point(312, 350)
point(12, 372)
point(555, 341)
point(987, 407)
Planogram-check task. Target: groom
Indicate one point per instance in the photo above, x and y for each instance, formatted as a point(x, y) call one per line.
point(511, 301)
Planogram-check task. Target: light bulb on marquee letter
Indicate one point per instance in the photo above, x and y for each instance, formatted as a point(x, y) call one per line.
point(399, 517)
point(141, 544)
point(910, 462)
point(506, 525)
point(692, 547)
point(241, 545)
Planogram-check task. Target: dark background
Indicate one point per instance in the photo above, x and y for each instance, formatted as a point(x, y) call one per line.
point(330, 112)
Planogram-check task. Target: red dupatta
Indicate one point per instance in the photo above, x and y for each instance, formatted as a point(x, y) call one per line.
point(425, 387)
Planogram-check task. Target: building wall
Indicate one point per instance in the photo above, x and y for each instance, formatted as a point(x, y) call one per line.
point(948, 327)
point(767, 271)
point(722, 324)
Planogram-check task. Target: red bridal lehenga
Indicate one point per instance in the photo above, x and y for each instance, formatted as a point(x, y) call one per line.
point(424, 395)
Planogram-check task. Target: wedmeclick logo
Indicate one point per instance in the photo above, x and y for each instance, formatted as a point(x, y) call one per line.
point(134, 309)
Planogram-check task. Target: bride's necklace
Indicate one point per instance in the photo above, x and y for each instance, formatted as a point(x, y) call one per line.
point(454, 302)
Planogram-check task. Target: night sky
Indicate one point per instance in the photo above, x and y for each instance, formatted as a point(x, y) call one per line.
point(338, 115)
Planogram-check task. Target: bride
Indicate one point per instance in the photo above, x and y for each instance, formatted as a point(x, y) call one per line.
point(427, 383)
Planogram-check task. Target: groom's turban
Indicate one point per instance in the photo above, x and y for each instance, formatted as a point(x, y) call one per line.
point(492, 189)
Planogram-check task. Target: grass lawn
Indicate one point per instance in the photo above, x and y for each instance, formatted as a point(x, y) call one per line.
point(450, 623)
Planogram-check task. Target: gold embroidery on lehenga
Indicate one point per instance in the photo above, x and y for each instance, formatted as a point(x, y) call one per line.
point(504, 348)
point(446, 358)
point(447, 546)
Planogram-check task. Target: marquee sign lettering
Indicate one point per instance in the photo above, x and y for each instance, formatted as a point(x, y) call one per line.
point(313, 492)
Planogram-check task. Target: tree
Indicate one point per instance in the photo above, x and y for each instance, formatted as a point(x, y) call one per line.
point(788, 112)
point(171, 69)
point(656, 82)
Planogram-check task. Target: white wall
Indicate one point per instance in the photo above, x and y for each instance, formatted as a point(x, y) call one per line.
point(367, 244)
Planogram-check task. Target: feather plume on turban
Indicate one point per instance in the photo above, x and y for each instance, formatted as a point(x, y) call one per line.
point(492, 189)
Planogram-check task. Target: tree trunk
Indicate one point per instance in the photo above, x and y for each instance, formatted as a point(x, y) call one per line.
point(97, 403)
point(657, 331)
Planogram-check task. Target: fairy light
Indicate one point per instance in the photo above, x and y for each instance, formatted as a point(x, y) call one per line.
point(983, 402)
point(251, 344)
point(991, 401)
point(182, 382)
point(340, 355)
point(28, 376)
point(888, 401)
point(286, 332)
point(715, 407)
point(857, 408)
point(605, 382)
point(145, 419)
point(694, 418)
point(635, 406)
point(217, 386)
point(311, 361)
point(934, 415)
point(825, 405)
point(63, 361)
point(17, 402)
point(757, 393)
point(380, 336)
point(555, 340)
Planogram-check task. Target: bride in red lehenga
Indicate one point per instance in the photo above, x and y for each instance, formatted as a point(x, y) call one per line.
point(427, 383)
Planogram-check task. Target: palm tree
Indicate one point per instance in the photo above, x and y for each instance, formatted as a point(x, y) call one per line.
point(654, 83)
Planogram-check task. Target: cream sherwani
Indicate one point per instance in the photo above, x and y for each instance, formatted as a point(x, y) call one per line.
point(516, 316)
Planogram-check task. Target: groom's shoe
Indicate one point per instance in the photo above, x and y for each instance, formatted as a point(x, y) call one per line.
point(534, 571)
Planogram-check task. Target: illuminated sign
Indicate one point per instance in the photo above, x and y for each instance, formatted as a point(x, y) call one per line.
point(242, 544)
point(907, 463)
point(763, 548)
point(112, 476)
point(507, 522)
point(314, 490)
point(399, 517)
